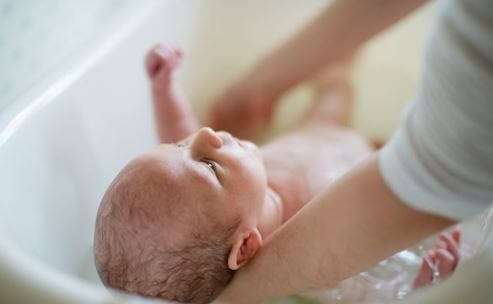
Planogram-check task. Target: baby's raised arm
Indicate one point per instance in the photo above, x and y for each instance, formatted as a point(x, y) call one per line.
point(174, 117)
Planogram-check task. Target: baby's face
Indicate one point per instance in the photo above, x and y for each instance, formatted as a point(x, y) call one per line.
point(216, 172)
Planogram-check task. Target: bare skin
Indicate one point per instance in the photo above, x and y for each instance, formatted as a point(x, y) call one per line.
point(246, 107)
point(445, 257)
point(170, 107)
point(379, 220)
point(300, 164)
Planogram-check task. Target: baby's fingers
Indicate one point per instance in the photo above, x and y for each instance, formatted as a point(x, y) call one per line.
point(446, 262)
point(450, 244)
point(162, 57)
point(425, 274)
point(153, 62)
point(456, 235)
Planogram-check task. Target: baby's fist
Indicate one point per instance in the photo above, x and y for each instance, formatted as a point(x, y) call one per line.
point(161, 62)
point(443, 258)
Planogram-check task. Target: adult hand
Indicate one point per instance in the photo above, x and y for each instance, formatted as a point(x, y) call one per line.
point(243, 109)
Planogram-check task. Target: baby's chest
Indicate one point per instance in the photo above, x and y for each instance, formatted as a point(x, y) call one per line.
point(311, 162)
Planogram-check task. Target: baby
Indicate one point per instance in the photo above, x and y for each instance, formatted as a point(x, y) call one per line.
point(179, 220)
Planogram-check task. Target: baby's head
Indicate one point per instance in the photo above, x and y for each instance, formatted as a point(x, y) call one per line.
point(177, 221)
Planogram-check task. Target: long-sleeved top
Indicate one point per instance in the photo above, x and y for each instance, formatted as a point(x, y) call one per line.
point(441, 159)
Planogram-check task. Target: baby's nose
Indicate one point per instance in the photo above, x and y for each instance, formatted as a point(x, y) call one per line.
point(207, 137)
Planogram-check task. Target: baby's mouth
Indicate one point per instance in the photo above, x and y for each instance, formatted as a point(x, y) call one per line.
point(244, 144)
point(247, 145)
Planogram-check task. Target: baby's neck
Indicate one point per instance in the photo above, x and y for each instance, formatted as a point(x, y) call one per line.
point(272, 213)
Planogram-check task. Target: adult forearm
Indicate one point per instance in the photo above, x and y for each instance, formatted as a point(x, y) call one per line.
point(337, 32)
point(348, 228)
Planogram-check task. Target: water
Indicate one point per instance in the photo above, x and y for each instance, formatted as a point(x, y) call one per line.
point(392, 278)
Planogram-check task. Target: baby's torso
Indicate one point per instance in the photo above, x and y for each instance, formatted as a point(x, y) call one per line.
point(301, 164)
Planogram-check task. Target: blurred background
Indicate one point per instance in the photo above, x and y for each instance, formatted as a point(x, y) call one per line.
point(41, 40)
point(39, 37)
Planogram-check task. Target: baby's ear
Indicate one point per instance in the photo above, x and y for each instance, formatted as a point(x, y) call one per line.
point(244, 248)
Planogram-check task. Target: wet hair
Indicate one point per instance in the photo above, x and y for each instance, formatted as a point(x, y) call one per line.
point(132, 253)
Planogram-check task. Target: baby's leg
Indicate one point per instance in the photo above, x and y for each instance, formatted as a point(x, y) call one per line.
point(335, 96)
point(445, 257)
point(174, 117)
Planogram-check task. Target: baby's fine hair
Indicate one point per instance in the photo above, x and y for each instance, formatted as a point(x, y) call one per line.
point(131, 254)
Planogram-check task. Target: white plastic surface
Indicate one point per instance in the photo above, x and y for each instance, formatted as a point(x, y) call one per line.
point(61, 144)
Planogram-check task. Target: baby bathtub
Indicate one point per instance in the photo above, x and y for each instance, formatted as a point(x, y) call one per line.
point(62, 142)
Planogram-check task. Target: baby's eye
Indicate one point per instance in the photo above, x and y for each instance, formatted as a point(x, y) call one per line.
point(180, 145)
point(212, 165)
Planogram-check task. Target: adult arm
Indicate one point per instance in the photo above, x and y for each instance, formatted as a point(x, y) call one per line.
point(336, 33)
point(355, 223)
point(440, 161)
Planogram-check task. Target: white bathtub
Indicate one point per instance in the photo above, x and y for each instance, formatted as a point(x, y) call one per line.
point(62, 142)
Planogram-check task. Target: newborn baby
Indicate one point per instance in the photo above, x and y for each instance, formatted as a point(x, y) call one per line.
point(178, 220)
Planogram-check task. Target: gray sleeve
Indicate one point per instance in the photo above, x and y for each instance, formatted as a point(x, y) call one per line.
point(441, 159)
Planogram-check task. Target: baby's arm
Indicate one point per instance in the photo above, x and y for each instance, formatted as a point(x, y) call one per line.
point(174, 117)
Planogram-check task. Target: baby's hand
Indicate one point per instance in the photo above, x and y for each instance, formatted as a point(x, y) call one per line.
point(444, 258)
point(161, 62)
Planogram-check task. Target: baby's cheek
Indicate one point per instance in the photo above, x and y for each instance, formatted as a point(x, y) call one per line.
point(258, 183)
